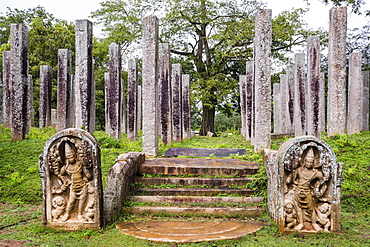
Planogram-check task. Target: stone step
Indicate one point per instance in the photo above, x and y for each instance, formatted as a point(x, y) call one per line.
point(197, 199)
point(186, 166)
point(199, 211)
point(196, 181)
point(194, 191)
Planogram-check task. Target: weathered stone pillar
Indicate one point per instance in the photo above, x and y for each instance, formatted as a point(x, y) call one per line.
point(313, 86)
point(300, 95)
point(30, 108)
point(45, 96)
point(322, 110)
point(186, 130)
point(113, 93)
point(132, 100)
point(336, 117)
point(123, 114)
point(365, 102)
point(176, 84)
point(355, 83)
point(84, 78)
point(249, 104)
point(64, 90)
point(139, 108)
point(165, 93)
point(262, 51)
point(277, 107)
point(19, 79)
point(284, 105)
point(54, 120)
point(149, 86)
point(290, 91)
point(7, 90)
point(242, 86)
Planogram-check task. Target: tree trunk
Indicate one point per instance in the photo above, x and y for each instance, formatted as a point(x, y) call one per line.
point(208, 120)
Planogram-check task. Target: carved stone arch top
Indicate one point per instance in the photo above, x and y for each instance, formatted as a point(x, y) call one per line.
point(304, 185)
point(71, 180)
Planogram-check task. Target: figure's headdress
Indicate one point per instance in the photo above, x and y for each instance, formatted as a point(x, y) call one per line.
point(68, 149)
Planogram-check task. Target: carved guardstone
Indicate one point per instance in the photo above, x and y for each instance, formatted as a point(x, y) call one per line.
point(304, 181)
point(71, 181)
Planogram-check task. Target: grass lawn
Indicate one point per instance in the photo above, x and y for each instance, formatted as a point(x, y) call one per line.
point(21, 197)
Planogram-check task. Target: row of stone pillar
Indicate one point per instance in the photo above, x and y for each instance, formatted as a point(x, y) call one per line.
point(165, 95)
point(299, 98)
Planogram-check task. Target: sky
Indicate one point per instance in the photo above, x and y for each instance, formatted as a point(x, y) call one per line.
point(70, 10)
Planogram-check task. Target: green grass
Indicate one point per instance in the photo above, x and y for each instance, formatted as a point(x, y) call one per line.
point(21, 197)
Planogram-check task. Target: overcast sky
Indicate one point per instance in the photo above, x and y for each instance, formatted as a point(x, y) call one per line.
point(318, 16)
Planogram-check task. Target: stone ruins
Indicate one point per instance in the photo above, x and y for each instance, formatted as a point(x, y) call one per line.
point(304, 182)
point(71, 181)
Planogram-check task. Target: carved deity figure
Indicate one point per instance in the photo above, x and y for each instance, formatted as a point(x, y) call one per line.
point(322, 221)
point(59, 205)
point(75, 176)
point(290, 216)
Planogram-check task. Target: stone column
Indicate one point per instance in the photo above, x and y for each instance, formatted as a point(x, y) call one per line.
point(165, 93)
point(7, 91)
point(262, 51)
point(45, 96)
point(132, 100)
point(113, 93)
point(84, 78)
point(186, 130)
point(355, 83)
point(242, 86)
point(365, 102)
point(284, 105)
point(249, 104)
point(123, 114)
point(336, 107)
point(313, 86)
point(139, 108)
point(64, 90)
point(277, 107)
point(176, 102)
point(19, 79)
point(149, 86)
point(290, 91)
point(30, 108)
point(322, 117)
point(54, 120)
point(300, 95)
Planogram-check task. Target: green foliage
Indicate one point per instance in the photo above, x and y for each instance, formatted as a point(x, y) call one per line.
point(224, 123)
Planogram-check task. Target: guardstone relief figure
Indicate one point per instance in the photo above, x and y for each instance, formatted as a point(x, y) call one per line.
point(72, 180)
point(304, 181)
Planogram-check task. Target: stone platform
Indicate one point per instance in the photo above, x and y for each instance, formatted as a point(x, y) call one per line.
point(188, 231)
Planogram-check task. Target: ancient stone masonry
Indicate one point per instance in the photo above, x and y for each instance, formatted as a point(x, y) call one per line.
point(19, 80)
point(355, 90)
point(336, 107)
point(242, 82)
point(84, 79)
point(65, 95)
point(277, 107)
point(150, 86)
point(139, 108)
point(365, 102)
point(132, 99)
point(71, 181)
point(7, 90)
point(300, 95)
point(45, 96)
point(290, 91)
point(262, 72)
point(304, 181)
point(186, 107)
point(176, 84)
point(322, 106)
point(113, 93)
point(165, 93)
point(30, 107)
point(249, 98)
point(120, 176)
point(313, 86)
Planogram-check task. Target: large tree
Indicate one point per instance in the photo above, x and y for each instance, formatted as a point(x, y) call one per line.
point(212, 39)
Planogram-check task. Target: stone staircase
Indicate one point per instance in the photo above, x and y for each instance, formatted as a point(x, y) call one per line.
point(195, 187)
